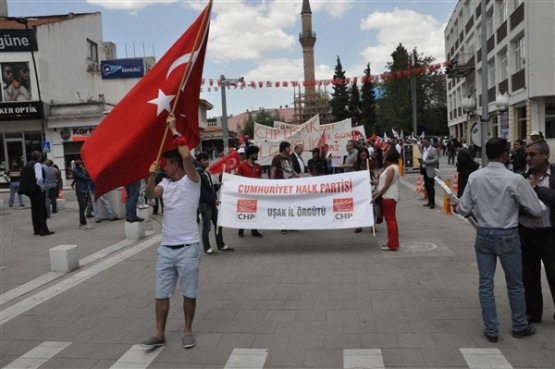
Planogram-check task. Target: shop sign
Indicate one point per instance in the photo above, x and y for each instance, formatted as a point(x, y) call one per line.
point(16, 40)
point(26, 110)
point(122, 68)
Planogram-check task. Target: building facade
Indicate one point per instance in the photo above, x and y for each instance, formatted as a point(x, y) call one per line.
point(520, 65)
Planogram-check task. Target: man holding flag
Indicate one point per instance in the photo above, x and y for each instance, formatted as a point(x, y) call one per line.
point(179, 252)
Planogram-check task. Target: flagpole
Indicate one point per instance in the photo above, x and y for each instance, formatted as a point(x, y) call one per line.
point(186, 75)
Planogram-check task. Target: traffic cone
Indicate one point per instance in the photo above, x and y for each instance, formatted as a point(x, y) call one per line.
point(446, 202)
point(60, 196)
point(419, 185)
point(456, 183)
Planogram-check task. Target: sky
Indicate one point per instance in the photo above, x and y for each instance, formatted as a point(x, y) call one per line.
point(259, 39)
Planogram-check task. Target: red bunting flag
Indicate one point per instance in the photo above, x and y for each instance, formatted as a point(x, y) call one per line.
point(127, 141)
point(230, 161)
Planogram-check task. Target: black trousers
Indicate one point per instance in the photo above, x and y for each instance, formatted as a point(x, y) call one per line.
point(38, 212)
point(537, 247)
point(429, 185)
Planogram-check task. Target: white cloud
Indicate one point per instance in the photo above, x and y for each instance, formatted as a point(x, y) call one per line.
point(335, 8)
point(240, 31)
point(408, 27)
point(131, 5)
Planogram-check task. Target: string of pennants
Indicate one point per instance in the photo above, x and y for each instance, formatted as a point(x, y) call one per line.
point(215, 84)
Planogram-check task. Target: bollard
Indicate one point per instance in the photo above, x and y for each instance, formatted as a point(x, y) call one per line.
point(401, 167)
point(419, 185)
point(64, 258)
point(456, 184)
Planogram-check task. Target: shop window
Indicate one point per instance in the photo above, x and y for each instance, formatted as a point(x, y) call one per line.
point(550, 120)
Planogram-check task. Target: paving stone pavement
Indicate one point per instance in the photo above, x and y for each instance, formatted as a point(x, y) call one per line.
point(307, 299)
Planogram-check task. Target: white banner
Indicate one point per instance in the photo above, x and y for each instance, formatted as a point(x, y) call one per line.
point(268, 138)
point(323, 202)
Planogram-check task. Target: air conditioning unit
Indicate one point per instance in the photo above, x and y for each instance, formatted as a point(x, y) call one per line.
point(93, 66)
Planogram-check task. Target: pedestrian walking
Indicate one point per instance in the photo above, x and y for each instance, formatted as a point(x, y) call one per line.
point(14, 177)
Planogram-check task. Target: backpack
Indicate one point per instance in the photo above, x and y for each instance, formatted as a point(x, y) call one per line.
point(28, 183)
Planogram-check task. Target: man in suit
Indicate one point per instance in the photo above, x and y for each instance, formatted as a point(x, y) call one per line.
point(537, 234)
point(429, 162)
point(297, 160)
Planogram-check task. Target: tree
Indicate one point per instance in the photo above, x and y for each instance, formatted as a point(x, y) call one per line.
point(261, 117)
point(395, 106)
point(339, 97)
point(368, 102)
point(354, 104)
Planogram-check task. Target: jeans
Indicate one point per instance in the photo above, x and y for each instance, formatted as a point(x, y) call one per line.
point(82, 199)
point(205, 211)
point(108, 207)
point(132, 190)
point(52, 195)
point(14, 186)
point(493, 243)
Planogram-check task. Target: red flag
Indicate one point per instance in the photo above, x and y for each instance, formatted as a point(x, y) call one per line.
point(127, 141)
point(230, 161)
point(322, 140)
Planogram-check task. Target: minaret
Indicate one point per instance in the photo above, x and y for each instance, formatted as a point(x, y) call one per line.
point(307, 39)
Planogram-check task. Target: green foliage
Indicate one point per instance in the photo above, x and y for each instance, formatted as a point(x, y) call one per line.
point(339, 97)
point(355, 104)
point(368, 102)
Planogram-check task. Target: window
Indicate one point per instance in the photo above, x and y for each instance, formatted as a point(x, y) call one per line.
point(489, 20)
point(92, 51)
point(518, 2)
point(520, 55)
point(504, 64)
point(502, 11)
point(491, 73)
point(550, 119)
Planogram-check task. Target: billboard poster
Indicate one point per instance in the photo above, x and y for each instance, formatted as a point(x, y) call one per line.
point(16, 82)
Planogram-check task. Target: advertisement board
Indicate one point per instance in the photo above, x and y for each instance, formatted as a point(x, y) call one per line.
point(122, 68)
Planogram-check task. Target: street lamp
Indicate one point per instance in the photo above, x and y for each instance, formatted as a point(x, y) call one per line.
point(502, 104)
point(33, 45)
point(224, 82)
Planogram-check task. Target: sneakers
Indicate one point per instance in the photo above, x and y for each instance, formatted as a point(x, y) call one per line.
point(211, 251)
point(85, 227)
point(385, 247)
point(528, 331)
point(227, 248)
point(189, 341)
point(153, 342)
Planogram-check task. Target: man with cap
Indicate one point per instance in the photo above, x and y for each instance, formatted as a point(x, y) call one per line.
point(249, 168)
point(536, 136)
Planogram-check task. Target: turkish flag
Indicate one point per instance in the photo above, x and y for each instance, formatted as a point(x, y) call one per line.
point(127, 141)
point(230, 161)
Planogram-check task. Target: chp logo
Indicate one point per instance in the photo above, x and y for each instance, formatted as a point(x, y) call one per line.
point(246, 210)
point(343, 209)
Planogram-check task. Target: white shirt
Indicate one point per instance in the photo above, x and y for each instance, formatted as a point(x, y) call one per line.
point(496, 193)
point(301, 163)
point(179, 225)
point(393, 191)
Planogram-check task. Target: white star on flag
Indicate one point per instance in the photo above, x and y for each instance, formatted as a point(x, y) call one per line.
point(162, 102)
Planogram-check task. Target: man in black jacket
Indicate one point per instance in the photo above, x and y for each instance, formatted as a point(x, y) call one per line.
point(208, 208)
point(537, 235)
point(32, 185)
point(518, 157)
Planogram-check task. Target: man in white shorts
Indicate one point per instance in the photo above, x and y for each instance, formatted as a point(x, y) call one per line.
point(179, 252)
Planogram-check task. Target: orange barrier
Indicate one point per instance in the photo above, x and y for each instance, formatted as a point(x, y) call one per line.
point(456, 184)
point(446, 202)
point(401, 167)
point(419, 185)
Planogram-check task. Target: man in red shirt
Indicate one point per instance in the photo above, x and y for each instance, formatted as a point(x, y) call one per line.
point(249, 168)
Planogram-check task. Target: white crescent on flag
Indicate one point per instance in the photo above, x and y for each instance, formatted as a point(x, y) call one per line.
point(181, 60)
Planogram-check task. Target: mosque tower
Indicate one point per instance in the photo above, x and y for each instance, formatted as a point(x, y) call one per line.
point(307, 38)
